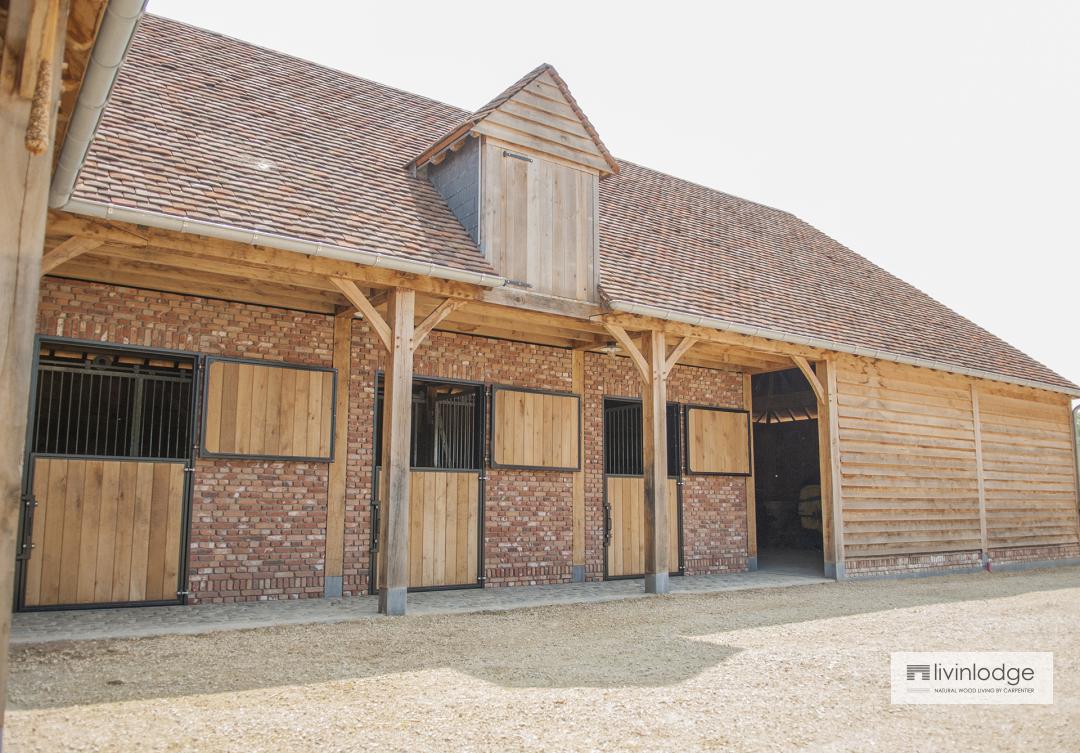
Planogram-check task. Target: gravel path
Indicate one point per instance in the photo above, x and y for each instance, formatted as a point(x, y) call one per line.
point(802, 668)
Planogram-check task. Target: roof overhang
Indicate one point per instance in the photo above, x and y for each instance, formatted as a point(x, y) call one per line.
point(626, 307)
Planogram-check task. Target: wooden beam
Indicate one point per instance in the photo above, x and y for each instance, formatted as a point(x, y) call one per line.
point(980, 475)
point(24, 188)
point(393, 570)
point(64, 223)
point(635, 322)
point(832, 512)
point(684, 345)
point(431, 321)
point(811, 377)
point(577, 374)
point(363, 305)
point(751, 483)
point(632, 351)
point(336, 484)
point(66, 251)
point(654, 456)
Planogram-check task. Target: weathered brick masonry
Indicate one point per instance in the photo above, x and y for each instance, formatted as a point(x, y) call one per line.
point(258, 527)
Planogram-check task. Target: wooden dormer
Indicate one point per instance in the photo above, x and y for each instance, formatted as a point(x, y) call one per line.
point(522, 175)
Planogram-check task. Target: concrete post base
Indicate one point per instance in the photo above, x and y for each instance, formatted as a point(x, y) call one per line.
point(577, 575)
point(332, 587)
point(392, 600)
point(657, 583)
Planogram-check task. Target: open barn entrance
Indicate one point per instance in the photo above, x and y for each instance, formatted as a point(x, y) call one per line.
point(445, 485)
point(787, 472)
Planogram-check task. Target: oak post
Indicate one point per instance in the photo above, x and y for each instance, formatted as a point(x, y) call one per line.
point(24, 189)
point(654, 455)
point(394, 486)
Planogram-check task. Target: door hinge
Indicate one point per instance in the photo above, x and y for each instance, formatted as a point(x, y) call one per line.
point(188, 470)
point(182, 594)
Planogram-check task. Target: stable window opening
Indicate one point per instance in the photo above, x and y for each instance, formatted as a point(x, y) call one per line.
point(447, 426)
point(623, 438)
point(107, 403)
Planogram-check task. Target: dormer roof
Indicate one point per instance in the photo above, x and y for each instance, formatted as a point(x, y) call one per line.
point(537, 112)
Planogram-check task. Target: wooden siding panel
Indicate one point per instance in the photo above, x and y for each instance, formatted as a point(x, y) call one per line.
point(536, 429)
point(908, 465)
point(268, 410)
point(1029, 476)
point(107, 531)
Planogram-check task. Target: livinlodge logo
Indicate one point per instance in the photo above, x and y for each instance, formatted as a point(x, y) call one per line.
point(973, 677)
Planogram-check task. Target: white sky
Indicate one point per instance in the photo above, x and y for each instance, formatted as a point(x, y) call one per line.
point(938, 139)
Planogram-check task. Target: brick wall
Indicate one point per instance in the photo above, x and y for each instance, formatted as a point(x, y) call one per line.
point(257, 527)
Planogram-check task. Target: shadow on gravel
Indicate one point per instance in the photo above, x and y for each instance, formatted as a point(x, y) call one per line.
point(636, 643)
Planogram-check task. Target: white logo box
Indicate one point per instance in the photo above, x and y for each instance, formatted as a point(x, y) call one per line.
point(972, 677)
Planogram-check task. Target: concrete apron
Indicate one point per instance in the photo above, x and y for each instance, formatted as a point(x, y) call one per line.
point(138, 622)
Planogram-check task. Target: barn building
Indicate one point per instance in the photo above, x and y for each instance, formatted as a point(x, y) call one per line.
point(301, 334)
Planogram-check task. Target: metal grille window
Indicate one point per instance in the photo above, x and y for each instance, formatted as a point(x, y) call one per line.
point(447, 426)
point(102, 403)
point(623, 441)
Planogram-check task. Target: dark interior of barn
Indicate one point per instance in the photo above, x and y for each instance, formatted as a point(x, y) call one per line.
point(787, 472)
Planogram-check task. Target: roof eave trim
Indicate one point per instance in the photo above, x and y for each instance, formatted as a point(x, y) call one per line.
point(110, 48)
point(279, 242)
point(815, 342)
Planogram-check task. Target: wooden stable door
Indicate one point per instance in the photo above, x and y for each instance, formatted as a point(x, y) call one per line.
point(626, 535)
point(104, 532)
point(444, 519)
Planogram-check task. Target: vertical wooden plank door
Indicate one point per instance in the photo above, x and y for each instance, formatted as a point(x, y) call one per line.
point(444, 528)
point(104, 532)
point(626, 538)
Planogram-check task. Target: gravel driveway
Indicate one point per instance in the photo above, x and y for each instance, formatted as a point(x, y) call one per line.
point(803, 668)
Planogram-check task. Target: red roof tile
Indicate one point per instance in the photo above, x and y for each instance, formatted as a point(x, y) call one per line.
point(214, 129)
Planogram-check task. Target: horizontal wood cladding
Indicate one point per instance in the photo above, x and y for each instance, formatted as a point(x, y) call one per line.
point(1028, 469)
point(538, 222)
point(268, 410)
point(913, 481)
point(444, 518)
point(626, 550)
point(718, 441)
point(105, 531)
point(541, 119)
point(909, 476)
point(536, 429)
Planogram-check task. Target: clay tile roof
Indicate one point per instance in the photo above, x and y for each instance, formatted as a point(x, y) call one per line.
point(213, 129)
point(210, 128)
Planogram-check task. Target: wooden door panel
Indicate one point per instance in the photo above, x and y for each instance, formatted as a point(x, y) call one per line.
point(444, 519)
point(105, 531)
point(626, 550)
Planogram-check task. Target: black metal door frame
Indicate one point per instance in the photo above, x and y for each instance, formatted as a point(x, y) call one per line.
point(677, 475)
point(374, 517)
point(24, 545)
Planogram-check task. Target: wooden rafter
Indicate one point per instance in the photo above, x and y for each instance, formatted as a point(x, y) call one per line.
point(66, 251)
point(631, 350)
point(811, 377)
point(443, 310)
point(354, 296)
